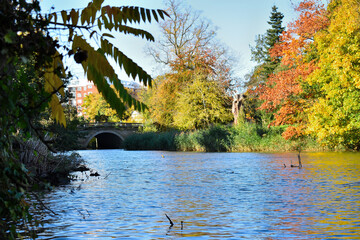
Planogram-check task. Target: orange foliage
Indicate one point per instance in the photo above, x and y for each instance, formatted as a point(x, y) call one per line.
point(293, 132)
point(282, 92)
point(294, 42)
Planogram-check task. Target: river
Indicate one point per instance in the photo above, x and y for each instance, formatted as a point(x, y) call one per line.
point(215, 195)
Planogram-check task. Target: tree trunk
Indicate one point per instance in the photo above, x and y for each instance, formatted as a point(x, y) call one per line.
point(238, 108)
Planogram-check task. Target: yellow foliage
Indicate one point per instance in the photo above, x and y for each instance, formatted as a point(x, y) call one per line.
point(334, 117)
point(54, 84)
point(57, 111)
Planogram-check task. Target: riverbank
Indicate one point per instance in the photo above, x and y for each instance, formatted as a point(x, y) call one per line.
point(245, 138)
point(44, 166)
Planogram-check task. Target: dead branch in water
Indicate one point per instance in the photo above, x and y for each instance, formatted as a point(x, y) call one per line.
point(171, 222)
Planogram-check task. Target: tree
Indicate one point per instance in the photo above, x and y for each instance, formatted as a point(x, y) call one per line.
point(267, 65)
point(184, 33)
point(260, 53)
point(161, 100)
point(283, 91)
point(188, 50)
point(62, 138)
point(201, 104)
point(334, 113)
point(95, 106)
point(32, 72)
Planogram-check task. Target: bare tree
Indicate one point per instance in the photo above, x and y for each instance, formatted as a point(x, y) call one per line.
point(184, 33)
point(187, 37)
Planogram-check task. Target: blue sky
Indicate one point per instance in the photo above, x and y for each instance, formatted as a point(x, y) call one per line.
point(238, 22)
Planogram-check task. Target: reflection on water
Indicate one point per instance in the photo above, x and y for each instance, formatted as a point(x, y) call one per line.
point(216, 195)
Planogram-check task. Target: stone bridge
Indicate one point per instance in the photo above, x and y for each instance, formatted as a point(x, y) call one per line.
point(105, 135)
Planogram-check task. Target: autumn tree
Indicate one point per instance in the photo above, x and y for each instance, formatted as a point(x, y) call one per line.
point(188, 50)
point(334, 114)
point(96, 109)
point(266, 66)
point(200, 104)
point(32, 72)
point(283, 91)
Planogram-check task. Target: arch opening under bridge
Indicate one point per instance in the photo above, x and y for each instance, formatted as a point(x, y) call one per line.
point(104, 140)
point(105, 135)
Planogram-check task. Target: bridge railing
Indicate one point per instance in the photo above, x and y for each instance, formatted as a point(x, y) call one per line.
point(111, 124)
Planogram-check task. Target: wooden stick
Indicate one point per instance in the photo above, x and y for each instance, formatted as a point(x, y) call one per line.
point(171, 222)
point(299, 158)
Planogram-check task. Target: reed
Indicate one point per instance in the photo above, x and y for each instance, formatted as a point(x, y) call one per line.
point(151, 141)
point(246, 137)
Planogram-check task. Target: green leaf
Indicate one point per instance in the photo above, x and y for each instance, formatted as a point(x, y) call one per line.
point(155, 15)
point(136, 14)
point(98, 3)
point(136, 32)
point(74, 17)
point(64, 16)
point(92, 33)
point(99, 24)
point(161, 14)
point(84, 16)
point(143, 14)
point(148, 14)
point(107, 35)
point(9, 37)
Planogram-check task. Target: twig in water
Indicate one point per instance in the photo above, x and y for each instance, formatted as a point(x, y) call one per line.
point(171, 222)
point(83, 215)
point(42, 203)
point(107, 175)
point(182, 225)
point(299, 158)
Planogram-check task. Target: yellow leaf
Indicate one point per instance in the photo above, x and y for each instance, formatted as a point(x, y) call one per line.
point(57, 111)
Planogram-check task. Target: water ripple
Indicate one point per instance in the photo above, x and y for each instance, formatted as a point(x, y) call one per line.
point(215, 195)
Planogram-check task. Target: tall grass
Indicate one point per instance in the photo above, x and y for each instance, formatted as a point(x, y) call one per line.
point(246, 137)
point(213, 139)
point(151, 141)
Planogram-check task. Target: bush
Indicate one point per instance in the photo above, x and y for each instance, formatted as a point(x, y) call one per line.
point(215, 139)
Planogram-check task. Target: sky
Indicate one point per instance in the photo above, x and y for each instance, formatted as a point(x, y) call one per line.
point(238, 22)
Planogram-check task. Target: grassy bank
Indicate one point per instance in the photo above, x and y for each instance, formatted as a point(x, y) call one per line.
point(244, 138)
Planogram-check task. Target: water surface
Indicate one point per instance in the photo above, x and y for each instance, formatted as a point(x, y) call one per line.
point(216, 195)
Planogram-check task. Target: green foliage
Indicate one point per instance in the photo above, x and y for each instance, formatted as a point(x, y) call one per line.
point(200, 104)
point(151, 141)
point(32, 73)
point(260, 53)
point(267, 65)
point(95, 108)
point(22, 96)
point(214, 139)
point(195, 92)
point(62, 138)
point(95, 61)
point(162, 99)
point(246, 137)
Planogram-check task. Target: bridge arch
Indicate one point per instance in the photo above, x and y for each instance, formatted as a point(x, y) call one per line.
point(105, 139)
